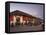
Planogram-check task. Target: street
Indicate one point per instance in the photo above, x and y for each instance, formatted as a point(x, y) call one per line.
point(26, 28)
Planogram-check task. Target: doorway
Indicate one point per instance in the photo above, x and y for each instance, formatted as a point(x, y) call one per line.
point(17, 20)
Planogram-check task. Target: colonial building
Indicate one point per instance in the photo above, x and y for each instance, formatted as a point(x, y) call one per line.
point(22, 18)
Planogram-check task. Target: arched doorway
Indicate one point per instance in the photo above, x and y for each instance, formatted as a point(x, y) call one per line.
point(17, 20)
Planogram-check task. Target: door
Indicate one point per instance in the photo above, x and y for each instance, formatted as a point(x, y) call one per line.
point(17, 20)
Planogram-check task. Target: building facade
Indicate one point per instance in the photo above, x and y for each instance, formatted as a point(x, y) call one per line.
point(22, 18)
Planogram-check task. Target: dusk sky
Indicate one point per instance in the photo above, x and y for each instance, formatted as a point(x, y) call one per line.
point(32, 9)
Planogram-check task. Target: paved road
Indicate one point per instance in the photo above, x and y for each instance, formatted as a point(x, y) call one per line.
point(25, 28)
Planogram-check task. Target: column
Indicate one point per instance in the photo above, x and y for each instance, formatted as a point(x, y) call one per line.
point(14, 20)
point(21, 19)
